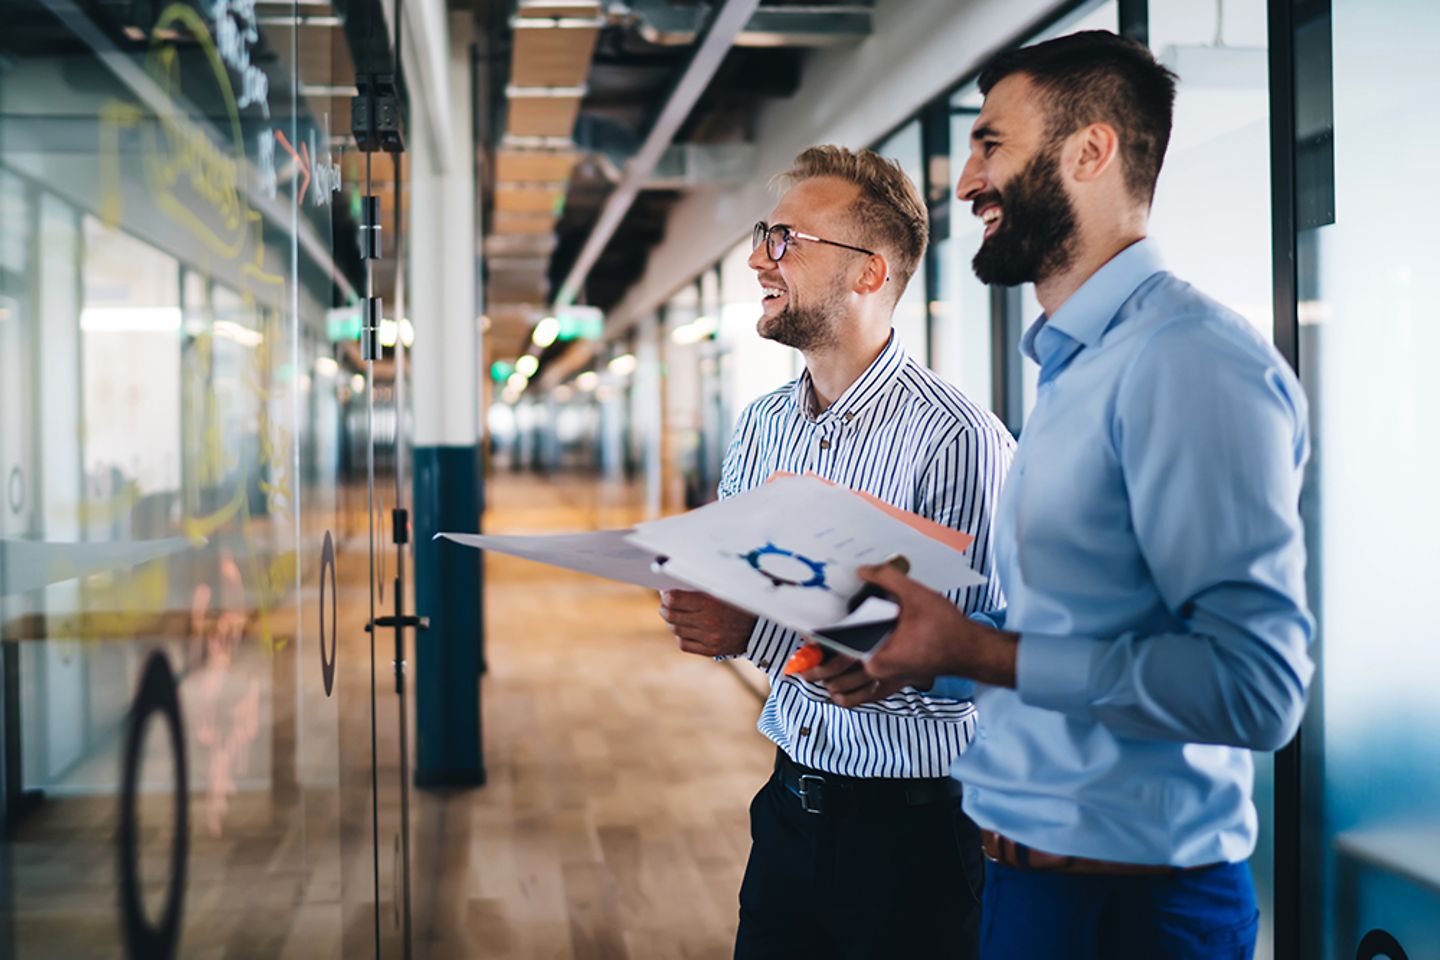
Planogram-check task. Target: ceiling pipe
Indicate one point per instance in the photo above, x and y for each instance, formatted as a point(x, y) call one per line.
point(665, 24)
point(718, 39)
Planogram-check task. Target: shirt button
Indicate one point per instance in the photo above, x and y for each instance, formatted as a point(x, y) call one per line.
point(849, 414)
point(824, 444)
point(764, 664)
point(804, 731)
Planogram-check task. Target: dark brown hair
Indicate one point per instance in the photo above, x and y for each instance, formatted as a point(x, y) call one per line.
point(1097, 77)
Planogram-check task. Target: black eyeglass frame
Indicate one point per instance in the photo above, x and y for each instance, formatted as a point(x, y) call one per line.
point(762, 232)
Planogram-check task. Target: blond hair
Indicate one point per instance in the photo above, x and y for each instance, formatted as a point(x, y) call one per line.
point(889, 212)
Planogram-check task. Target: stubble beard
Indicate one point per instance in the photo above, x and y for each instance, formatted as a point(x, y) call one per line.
point(806, 327)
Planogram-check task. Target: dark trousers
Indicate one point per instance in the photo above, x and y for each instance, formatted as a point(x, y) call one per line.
point(904, 883)
point(1206, 914)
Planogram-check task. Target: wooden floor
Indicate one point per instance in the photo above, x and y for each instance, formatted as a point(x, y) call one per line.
point(614, 822)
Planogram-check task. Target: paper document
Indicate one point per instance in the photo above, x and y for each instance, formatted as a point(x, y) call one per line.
point(787, 551)
point(604, 553)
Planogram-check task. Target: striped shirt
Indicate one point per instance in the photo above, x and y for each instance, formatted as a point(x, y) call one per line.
point(903, 434)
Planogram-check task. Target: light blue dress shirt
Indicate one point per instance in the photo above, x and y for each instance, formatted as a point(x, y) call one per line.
point(1149, 544)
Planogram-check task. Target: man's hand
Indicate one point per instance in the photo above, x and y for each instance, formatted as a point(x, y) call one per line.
point(933, 638)
point(704, 625)
point(849, 685)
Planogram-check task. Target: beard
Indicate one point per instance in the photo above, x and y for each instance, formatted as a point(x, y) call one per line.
point(806, 326)
point(1036, 236)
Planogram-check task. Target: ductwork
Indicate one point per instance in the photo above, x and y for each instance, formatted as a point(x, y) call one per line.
point(682, 165)
point(665, 24)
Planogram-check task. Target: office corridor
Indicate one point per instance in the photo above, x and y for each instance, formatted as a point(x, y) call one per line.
point(614, 820)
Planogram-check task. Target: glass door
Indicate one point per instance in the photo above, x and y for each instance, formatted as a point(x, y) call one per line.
point(183, 556)
point(1371, 762)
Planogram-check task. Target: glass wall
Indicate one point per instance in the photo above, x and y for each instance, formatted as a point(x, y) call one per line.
point(184, 723)
point(911, 324)
point(960, 313)
point(1212, 206)
point(1371, 837)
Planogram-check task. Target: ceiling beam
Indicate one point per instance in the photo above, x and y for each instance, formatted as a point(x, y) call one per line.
point(724, 28)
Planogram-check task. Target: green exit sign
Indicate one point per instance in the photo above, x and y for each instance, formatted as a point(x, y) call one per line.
point(580, 323)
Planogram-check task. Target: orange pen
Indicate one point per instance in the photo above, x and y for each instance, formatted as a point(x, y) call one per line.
point(812, 654)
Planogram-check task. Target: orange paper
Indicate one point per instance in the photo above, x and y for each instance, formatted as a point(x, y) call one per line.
point(955, 539)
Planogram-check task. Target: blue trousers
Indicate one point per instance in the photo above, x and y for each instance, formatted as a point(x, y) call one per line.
point(1207, 914)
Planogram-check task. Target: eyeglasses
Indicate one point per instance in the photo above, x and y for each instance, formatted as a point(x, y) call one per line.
point(776, 238)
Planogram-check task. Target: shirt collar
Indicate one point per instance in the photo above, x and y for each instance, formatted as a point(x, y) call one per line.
point(1088, 313)
point(858, 395)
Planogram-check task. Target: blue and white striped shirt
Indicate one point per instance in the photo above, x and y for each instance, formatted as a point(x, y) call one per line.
point(903, 434)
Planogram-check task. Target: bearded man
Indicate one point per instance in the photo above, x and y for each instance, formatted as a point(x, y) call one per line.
point(860, 847)
point(1149, 543)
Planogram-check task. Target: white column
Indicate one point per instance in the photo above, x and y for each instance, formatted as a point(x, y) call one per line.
point(441, 289)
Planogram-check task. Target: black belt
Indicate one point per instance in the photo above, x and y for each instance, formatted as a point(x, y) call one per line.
point(821, 792)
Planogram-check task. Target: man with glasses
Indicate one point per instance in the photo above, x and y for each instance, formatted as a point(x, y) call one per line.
point(860, 848)
point(1149, 542)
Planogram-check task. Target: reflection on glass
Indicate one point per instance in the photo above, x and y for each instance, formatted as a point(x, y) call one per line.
point(1366, 346)
point(171, 445)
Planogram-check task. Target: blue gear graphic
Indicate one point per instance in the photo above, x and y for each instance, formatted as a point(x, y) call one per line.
point(817, 567)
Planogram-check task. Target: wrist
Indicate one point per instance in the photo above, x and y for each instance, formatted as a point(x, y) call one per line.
point(995, 655)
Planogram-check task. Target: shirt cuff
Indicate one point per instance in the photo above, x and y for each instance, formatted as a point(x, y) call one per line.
point(952, 688)
point(1053, 671)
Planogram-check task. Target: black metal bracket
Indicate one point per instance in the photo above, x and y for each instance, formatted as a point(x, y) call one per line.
point(370, 228)
point(375, 114)
point(402, 620)
point(370, 329)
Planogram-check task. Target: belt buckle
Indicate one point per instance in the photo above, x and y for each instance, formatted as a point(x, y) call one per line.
point(812, 793)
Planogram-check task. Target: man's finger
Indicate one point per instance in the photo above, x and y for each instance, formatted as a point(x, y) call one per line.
point(886, 577)
point(689, 601)
point(832, 667)
point(852, 681)
point(855, 698)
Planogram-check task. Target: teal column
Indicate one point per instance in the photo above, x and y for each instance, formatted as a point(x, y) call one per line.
point(443, 267)
point(449, 589)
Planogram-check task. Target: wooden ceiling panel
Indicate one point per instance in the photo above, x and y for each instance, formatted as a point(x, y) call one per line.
point(557, 57)
point(557, 9)
point(543, 116)
point(521, 288)
point(544, 166)
point(528, 201)
point(524, 223)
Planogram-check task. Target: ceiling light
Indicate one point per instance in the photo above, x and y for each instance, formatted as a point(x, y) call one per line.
point(518, 382)
point(588, 380)
point(527, 365)
point(357, 383)
point(326, 366)
point(624, 365)
point(686, 335)
point(545, 332)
